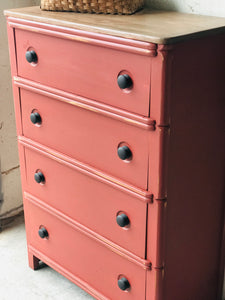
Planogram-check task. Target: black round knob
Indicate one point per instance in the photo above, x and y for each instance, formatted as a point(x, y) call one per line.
point(35, 118)
point(39, 177)
point(43, 233)
point(122, 220)
point(31, 56)
point(124, 81)
point(124, 152)
point(123, 284)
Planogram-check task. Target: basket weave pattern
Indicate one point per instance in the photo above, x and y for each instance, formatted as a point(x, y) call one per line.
point(94, 6)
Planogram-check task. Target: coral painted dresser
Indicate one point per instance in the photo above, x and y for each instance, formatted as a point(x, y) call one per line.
point(120, 123)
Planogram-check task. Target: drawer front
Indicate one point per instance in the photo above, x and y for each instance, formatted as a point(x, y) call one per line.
point(87, 136)
point(83, 256)
point(87, 70)
point(91, 202)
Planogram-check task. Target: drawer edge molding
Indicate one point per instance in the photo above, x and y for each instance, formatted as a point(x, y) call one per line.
point(145, 264)
point(142, 195)
point(56, 266)
point(84, 103)
point(121, 44)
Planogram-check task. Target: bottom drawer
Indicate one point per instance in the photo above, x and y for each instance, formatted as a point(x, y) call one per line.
point(88, 259)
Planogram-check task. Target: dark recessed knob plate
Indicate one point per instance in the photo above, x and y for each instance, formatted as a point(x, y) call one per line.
point(35, 118)
point(122, 220)
point(43, 233)
point(31, 56)
point(124, 81)
point(39, 177)
point(123, 284)
point(124, 152)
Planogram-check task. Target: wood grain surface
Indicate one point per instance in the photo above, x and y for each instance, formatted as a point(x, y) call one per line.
point(159, 27)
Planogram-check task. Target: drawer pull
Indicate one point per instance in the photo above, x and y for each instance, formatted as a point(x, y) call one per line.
point(35, 118)
point(43, 233)
point(123, 284)
point(124, 81)
point(31, 56)
point(122, 220)
point(39, 177)
point(124, 152)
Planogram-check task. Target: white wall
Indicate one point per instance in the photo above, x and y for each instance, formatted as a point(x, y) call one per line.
point(204, 7)
point(10, 187)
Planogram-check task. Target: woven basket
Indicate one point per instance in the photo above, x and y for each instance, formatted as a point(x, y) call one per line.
point(125, 7)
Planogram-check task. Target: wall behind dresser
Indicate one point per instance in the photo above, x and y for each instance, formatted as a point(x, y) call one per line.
point(10, 189)
point(203, 7)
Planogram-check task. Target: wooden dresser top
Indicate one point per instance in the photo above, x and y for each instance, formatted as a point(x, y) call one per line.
point(160, 27)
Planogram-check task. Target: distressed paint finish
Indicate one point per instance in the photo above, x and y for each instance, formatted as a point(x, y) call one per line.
point(79, 203)
point(167, 189)
point(67, 68)
point(91, 259)
point(87, 136)
point(195, 168)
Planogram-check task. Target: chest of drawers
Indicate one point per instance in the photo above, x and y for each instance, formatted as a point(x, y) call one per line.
point(120, 123)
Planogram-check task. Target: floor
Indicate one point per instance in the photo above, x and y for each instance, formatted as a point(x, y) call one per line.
point(19, 282)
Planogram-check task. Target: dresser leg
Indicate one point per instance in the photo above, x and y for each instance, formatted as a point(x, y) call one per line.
point(33, 261)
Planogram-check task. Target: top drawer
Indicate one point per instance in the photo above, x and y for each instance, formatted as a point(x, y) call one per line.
point(87, 69)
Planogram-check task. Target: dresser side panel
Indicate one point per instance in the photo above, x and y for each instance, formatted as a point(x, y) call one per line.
point(195, 183)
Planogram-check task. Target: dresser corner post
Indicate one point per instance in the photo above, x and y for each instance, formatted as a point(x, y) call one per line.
point(161, 84)
point(161, 91)
point(154, 284)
